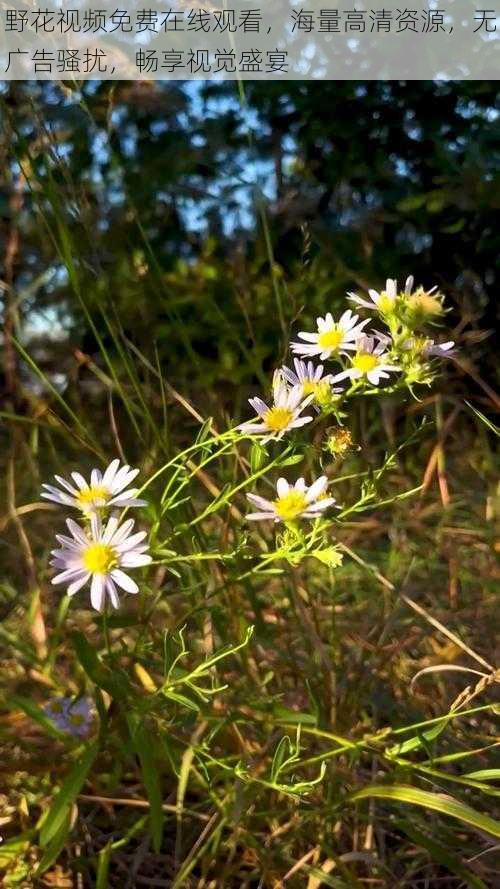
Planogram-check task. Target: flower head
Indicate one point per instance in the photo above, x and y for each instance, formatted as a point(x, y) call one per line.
point(104, 490)
point(338, 442)
point(283, 415)
point(73, 717)
point(439, 350)
point(332, 337)
point(311, 381)
point(370, 360)
point(98, 555)
point(385, 300)
point(420, 306)
point(293, 501)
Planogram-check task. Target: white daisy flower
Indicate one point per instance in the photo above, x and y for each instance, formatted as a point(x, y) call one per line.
point(370, 361)
point(98, 555)
point(104, 489)
point(332, 336)
point(384, 301)
point(293, 501)
point(284, 413)
point(311, 381)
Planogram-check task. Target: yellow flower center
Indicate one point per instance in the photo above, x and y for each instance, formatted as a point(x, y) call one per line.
point(425, 303)
point(331, 339)
point(99, 558)
point(88, 496)
point(56, 707)
point(365, 362)
point(76, 719)
point(320, 390)
point(278, 418)
point(290, 506)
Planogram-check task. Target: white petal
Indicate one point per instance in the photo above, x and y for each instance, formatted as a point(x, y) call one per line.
point(289, 376)
point(256, 516)
point(80, 481)
point(294, 397)
point(65, 484)
point(68, 542)
point(122, 532)
point(250, 428)
point(124, 581)
point(259, 501)
point(342, 376)
point(282, 487)
point(135, 559)
point(97, 588)
point(58, 497)
point(77, 584)
point(95, 477)
point(308, 337)
point(107, 479)
point(130, 542)
point(259, 406)
point(122, 479)
point(300, 421)
point(110, 529)
point(317, 488)
point(76, 531)
point(121, 500)
point(96, 527)
point(69, 574)
point(112, 593)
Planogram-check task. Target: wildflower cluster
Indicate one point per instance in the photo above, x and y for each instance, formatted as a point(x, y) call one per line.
point(366, 359)
point(99, 550)
point(74, 717)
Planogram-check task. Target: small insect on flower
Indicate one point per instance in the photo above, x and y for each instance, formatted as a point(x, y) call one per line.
point(74, 717)
point(284, 413)
point(99, 554)
point(370, 361)
point(293, 501)
point(385, 301)
point(333, 337)
point(311, 381)
point(105, 490)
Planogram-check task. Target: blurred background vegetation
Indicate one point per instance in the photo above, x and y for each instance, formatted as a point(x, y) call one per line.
point(158, 243)
point(206, 220)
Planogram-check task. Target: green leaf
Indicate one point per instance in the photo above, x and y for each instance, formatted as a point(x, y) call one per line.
point(258, 455)
point(144, 747)
point(56, 845)
point(422, 739)
point(447, 805)
point(291, 461)
point(484, 775)
point(59, 810)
